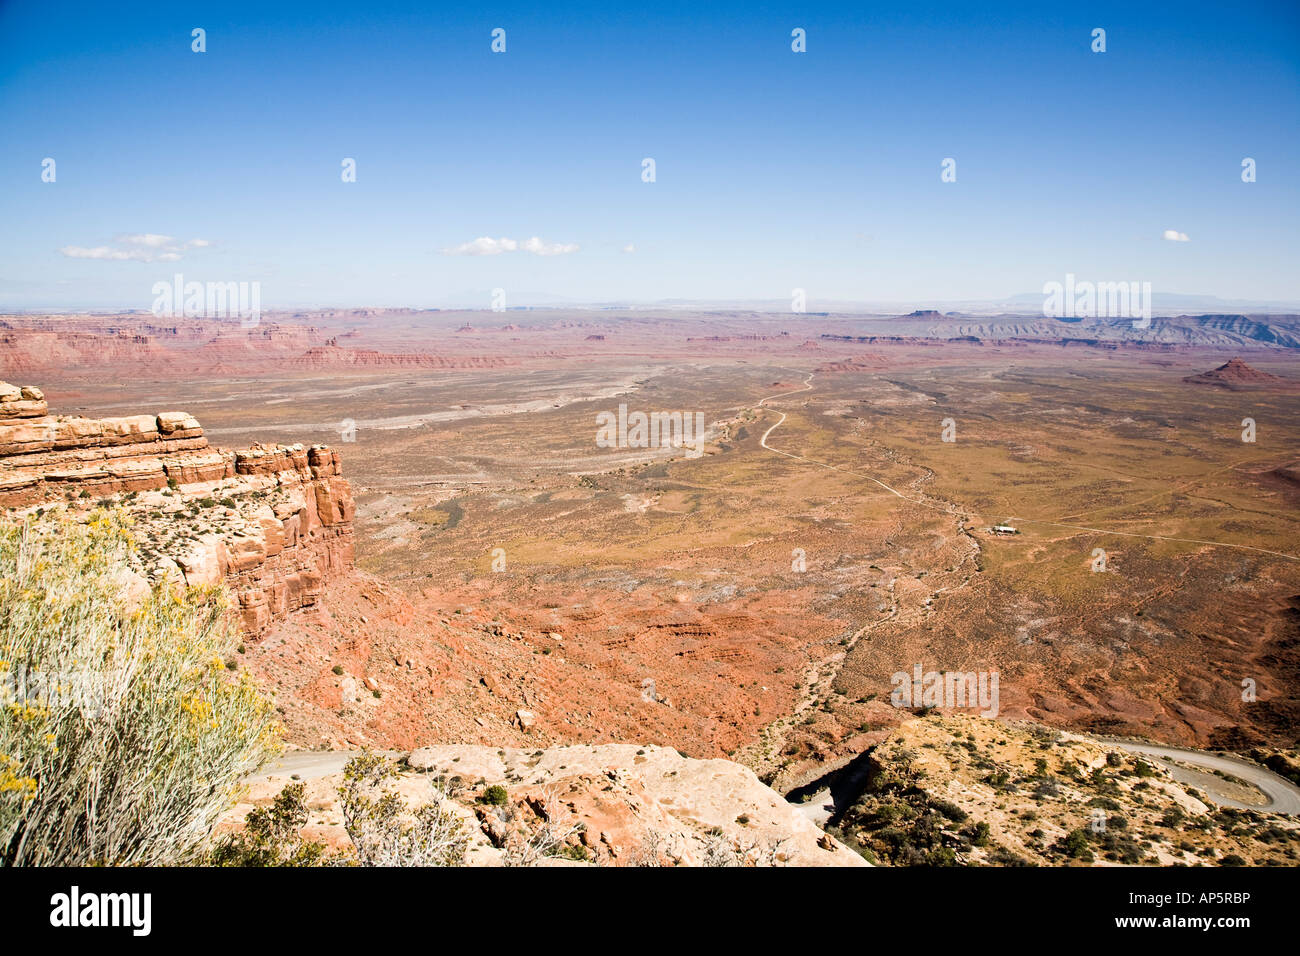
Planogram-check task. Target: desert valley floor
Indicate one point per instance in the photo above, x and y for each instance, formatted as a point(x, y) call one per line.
point(754, 600)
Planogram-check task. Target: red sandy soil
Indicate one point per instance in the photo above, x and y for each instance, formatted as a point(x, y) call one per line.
point(453, 671)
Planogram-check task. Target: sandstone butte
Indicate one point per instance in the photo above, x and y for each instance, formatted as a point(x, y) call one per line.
point(273, 523)
point(1235, 374)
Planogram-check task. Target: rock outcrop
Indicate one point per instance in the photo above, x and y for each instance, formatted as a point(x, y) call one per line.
point(607, 805)
point(271, 522)
point(27, 402)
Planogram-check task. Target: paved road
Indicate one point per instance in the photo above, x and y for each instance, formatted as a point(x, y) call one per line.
point(307, 764)
point(819, 809)
point(1283, 796)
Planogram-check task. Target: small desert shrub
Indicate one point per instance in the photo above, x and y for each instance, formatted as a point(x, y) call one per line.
point(1098, 780)
point(122, 736)
point(1000, 856)
point(949, 809)
point(1075, 845)
point(572, 851)
point(272, 836)
point(558, 835)
point(656, 849)
point(495, 795)
point(941, 856)
point(385, 832)
point(719, 851)
point(998, 779)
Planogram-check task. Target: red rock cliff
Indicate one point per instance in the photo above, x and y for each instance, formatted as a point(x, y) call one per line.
point(273, 523)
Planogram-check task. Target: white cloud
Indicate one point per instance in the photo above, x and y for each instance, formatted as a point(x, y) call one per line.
point(151, 239)
point(1173, 235)
point(101, 252)
point(539, 248)
point(137, 247)
point(629, 248)
point(482, 246)
point(487, 246)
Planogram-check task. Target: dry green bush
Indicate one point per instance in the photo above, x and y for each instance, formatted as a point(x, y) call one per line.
point(272, 836)
point(122, 734)
point(385, 832)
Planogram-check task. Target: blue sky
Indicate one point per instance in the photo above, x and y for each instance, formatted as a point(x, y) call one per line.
point(775, 170)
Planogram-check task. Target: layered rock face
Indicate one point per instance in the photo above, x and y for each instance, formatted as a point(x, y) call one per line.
point(273, 523)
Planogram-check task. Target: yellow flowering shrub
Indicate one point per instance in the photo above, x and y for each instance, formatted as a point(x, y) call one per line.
point(122, 735)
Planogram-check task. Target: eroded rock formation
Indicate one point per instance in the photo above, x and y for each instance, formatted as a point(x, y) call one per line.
point(1235, 374)
point(272, 522)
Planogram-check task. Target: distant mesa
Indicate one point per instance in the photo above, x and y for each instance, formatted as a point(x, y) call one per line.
point(859, 363)
point(1236, 374)
point(331, 355)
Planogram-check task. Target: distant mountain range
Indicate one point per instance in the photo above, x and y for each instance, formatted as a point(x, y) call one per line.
point(1024, 303)
point(1020, 303)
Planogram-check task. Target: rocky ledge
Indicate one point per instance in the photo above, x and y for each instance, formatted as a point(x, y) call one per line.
point(609, 804)
point(272, 522)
